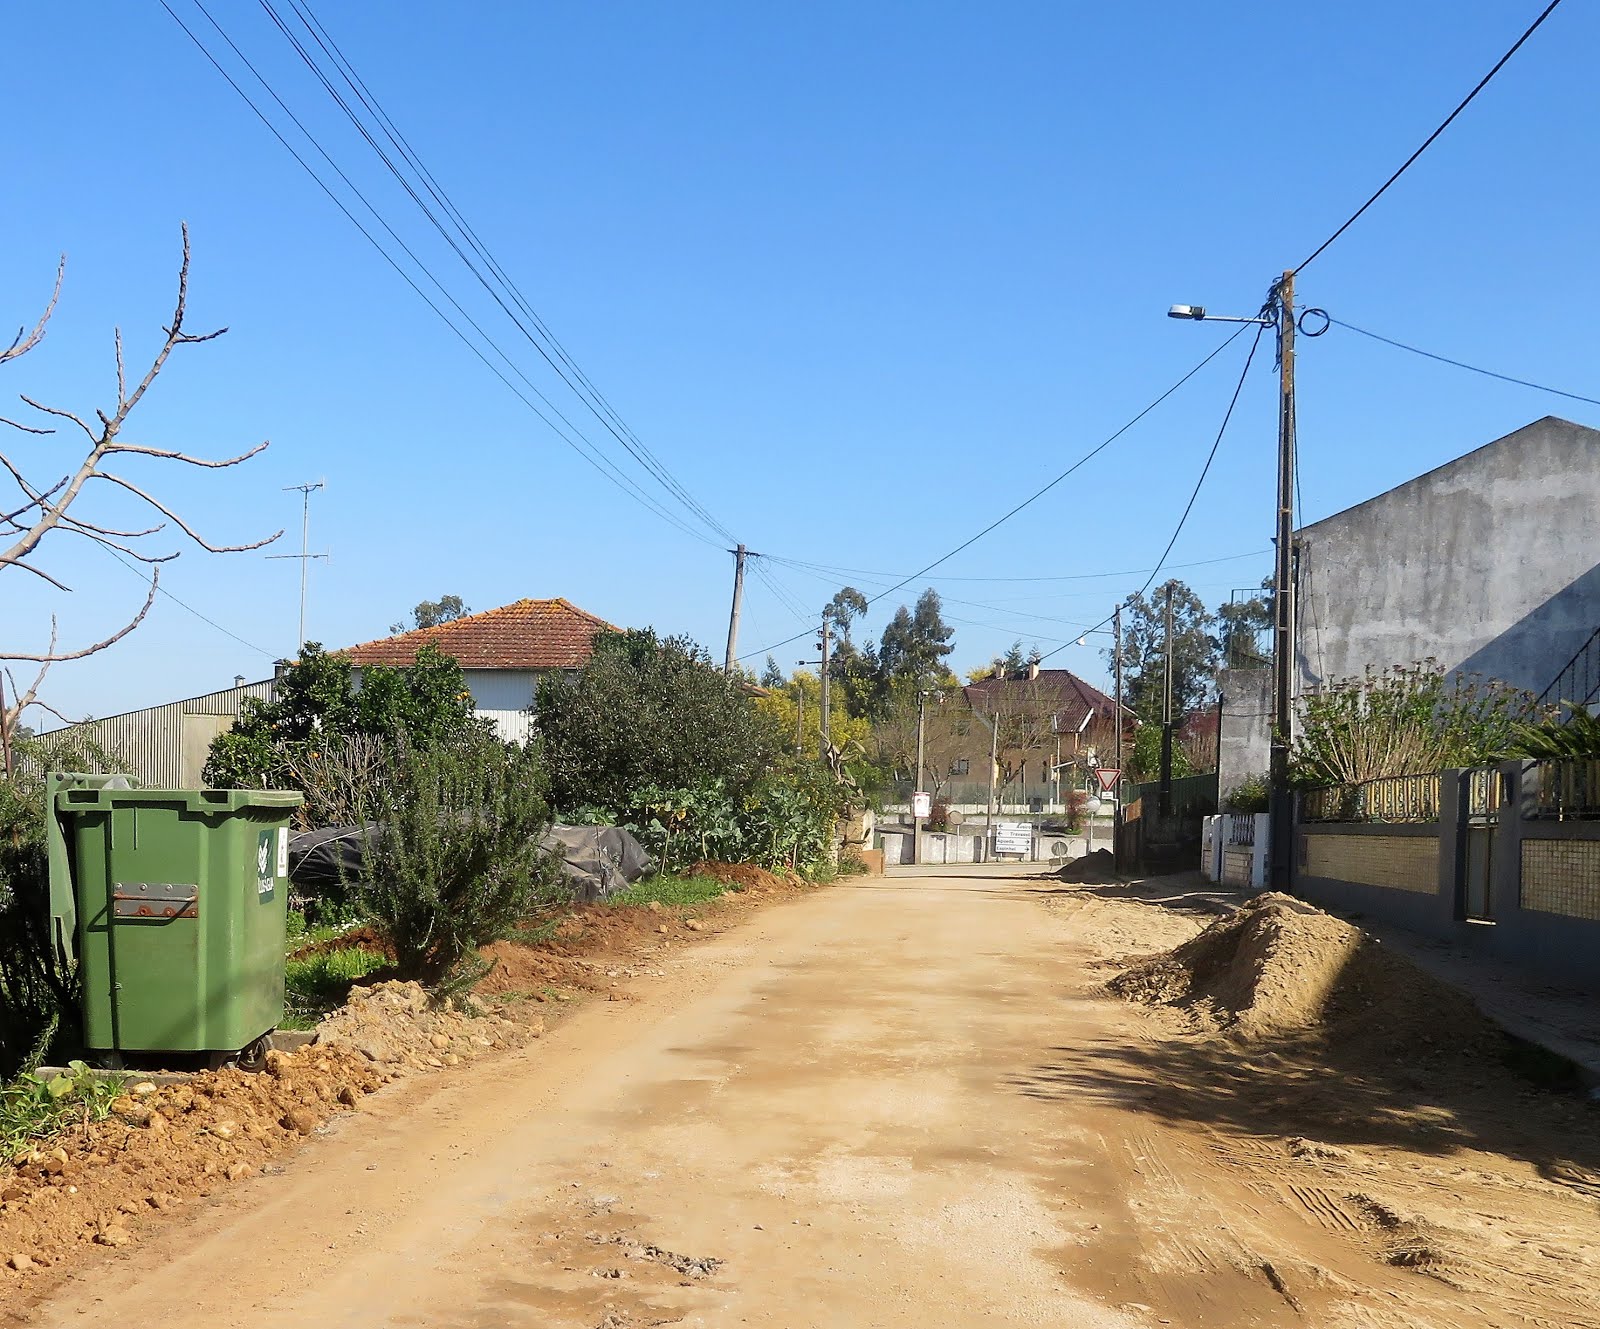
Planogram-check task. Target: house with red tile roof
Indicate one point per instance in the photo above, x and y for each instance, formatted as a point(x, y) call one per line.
point(503, 653)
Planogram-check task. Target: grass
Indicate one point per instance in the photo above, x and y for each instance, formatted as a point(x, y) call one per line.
point(316, 984)
point(535, 935)
point(36, 1108)
point(668, 890)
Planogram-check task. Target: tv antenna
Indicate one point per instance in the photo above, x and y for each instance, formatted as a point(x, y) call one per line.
point(305, 555)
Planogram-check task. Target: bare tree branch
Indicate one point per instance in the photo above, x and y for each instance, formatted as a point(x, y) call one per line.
point(21, 345)
point(26, 429)
point(91, 529)
point(178, 521)
point(37, 572)
point(52, 656)
point(165, 454)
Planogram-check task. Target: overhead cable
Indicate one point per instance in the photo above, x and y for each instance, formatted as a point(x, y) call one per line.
point(1461, 364)
point(1427, 142)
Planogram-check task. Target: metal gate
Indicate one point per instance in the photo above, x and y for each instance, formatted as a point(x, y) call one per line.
point(1476, 875)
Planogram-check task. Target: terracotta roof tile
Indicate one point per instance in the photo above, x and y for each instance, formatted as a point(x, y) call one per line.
point(1068, 695)
point(530, 634)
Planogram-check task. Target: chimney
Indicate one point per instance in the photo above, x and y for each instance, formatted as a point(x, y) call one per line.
point(1033, 670)
point(238, 680)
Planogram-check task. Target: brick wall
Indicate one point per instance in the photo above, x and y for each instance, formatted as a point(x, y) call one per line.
point(1400, 862)
point(1562, 877)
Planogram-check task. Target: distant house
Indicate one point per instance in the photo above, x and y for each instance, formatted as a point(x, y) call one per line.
point(1051, 726)
point(503, 653)
point(1489, 564)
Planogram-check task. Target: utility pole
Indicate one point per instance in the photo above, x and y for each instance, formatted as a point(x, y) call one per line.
point(1283, 593)
point(739, 556)
point(827, 713)
point(305, 555)
point(994, 771)
point(916, 821)
point(1166, 718)
point(799, 717)
point(1116, 807)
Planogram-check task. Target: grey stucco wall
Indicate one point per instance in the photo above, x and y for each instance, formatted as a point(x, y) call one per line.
point(1491, 563)
point(1246, 737)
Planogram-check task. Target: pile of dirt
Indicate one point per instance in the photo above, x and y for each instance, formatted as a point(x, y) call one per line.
point(1282, 967)
point(365, 937)
point(398, 1025)
point(742, 876)
point(1098, 867)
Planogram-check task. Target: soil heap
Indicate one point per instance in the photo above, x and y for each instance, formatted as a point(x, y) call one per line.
point(1280, 967)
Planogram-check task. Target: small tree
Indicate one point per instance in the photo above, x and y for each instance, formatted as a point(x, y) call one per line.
point(43, 509)
point(1409, 720)
point(452, 857)
point(431, 613)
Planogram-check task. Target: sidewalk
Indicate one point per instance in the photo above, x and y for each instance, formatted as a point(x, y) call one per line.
point(1559, 1019)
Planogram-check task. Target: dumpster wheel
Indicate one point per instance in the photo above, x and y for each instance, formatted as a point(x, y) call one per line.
point(252, 1057)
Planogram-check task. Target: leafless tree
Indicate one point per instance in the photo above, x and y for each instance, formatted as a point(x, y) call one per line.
point(48, 509)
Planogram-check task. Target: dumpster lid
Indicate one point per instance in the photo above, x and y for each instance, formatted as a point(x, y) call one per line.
point(71, 798)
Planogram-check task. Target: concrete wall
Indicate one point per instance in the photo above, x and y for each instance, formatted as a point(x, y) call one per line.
point(1491, 564)
point(1246, 726)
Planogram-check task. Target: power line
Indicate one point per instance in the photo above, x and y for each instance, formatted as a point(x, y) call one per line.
point(801, 564)
point(1461, 364)
point(184, 604)
point(579, 444)
point(592, 399)
point(1427, 142)
point(1037, 494)
point(368, 99)
point(1195, 494)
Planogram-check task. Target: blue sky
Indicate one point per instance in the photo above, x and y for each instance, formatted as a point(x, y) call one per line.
point(862, 276)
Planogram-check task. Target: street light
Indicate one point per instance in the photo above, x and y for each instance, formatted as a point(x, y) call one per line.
point(1277, 312)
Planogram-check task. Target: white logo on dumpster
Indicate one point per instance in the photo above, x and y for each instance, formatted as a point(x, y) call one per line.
point(264, 873)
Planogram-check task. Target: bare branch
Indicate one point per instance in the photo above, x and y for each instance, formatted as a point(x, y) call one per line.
point(7, 561)
point(64, 415)
point(109, 543)
point(26, 429)
point(90, 528)
point(22, 345)
point(178, 521)
point(122, 373)
point(166, 455)
point(52, 656)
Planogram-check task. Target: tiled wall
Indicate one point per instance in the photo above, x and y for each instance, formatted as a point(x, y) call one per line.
point(1562, 877)
point(1401, 862)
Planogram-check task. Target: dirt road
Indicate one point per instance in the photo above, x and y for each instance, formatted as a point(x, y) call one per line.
point(894, 1103)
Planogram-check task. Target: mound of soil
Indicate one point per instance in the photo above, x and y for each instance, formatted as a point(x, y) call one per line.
point(365, 937)
point(743, 876)
point(1098, 867)
point(1282, 967)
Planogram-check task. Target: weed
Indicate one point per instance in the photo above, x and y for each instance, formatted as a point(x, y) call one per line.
point(671, 891)
point(316, 984)
point(36, 1107)
point(535, 936)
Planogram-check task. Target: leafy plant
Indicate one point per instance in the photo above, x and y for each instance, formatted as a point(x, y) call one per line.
point(1406, 720)
point(1252, 794)
point(300, 740)
point(1578, 736)
point(317, 983)
point(452, 856)
point(35, 1108)
point(671, 890)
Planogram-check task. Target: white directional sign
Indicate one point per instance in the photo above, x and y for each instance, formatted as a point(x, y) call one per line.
point(1013, 837)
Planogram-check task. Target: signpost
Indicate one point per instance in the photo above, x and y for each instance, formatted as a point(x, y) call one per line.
point(1013, 837)
point(921, 806)
point(1108, 777)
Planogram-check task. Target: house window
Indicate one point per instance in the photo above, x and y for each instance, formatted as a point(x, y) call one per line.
point(961, 767)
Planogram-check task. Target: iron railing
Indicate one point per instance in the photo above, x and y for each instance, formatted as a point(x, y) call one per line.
point(1579, 682)
point(1241, 829)
point(1566, 788)
point(1391, 799)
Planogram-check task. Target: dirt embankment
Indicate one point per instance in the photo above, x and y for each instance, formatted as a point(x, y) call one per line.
point(170, 1143)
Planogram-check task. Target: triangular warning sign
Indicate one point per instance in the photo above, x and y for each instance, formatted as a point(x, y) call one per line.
point(1108, 776)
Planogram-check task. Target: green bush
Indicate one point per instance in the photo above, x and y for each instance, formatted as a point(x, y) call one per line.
point(315, 984)
point(1252, 794)
point(453, 858)
point(670, 890)
point(1578, 736)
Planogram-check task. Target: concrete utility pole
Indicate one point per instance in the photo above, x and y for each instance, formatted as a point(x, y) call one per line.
point(1116, 807)
point(305, 555)
point(825, 641)
point(1166, 717)
point(1283, 593)
point(994, 772)
point(739, 556)
point(916, 821)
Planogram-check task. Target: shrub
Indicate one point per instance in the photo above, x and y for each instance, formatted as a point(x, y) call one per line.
point(1577, 736)
point(453, 859)
point(1250, 795)
point(34, 1108)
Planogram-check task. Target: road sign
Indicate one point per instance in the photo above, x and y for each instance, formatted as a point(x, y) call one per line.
point(921, 805)
point(1108, 776)
point(1013, 837)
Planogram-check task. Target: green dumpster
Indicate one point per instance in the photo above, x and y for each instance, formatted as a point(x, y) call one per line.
point(172, 902)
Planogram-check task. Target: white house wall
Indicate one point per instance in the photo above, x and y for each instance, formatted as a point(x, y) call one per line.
point(504, 695)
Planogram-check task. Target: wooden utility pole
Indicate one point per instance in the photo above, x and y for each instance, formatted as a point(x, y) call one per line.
point(1283, 656)
point(1116, 807)
point(739, 556)
point(799, 717)
point(1166, 718)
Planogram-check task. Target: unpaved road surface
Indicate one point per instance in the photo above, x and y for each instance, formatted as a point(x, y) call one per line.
point(898, 1102)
